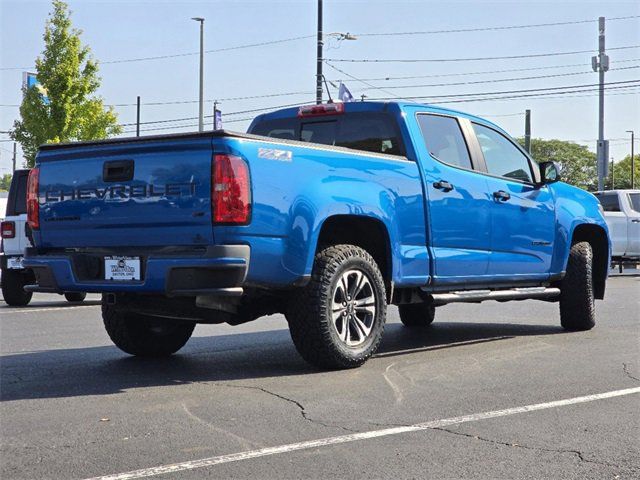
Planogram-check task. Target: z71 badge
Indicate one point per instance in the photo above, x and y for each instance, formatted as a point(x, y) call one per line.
point(274, 154)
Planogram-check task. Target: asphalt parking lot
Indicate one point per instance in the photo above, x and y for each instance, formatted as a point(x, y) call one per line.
point(489, 391)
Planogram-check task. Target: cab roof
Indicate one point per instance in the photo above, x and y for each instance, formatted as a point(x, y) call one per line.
point(372, 106)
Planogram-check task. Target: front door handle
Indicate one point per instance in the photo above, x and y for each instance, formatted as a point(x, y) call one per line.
point(501, 195)
point(443, 185)
point(635, 220)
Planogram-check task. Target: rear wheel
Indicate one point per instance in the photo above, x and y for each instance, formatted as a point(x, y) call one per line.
point(417, 314)
point(337, 320)
point(75, 297)
point(13, 282)
point(577, 309)
point(144, 335)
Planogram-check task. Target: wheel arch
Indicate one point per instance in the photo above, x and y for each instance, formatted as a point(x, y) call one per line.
point(366, 232)
point(597, 237)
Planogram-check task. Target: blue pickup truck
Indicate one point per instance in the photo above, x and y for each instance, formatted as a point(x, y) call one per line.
point(325, 213)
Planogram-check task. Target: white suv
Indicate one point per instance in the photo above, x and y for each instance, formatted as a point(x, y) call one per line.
point(14, 241)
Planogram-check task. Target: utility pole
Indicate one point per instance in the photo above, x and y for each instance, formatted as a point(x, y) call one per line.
point(14, 157)
point(319, 57)
point(633, 164)
point(527, 130)
point(201, 97)
point(138, 117)
point(600, 64)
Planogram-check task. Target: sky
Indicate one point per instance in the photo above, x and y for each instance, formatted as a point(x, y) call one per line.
point(119, 30)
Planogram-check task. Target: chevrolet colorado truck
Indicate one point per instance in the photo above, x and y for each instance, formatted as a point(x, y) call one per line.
point(325, 213)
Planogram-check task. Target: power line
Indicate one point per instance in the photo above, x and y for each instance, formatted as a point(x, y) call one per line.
point(498, 80)
point(485, 29)
point(455, 74)
point(360, 80)
point(530, 95)
point(187, 54)
point(217, 50)
point(526, 90)
point(472, 59)
point(254, 110)
point(180, 102)
point(366, 34)
point(186, 125)
point(409, 77)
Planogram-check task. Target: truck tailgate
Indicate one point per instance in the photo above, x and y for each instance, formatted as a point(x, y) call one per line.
point(154, 192)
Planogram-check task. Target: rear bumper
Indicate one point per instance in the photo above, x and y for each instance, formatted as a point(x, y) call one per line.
point(218, 270)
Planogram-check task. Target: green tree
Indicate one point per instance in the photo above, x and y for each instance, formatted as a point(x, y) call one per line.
point(65, 108)
point(579, 166)
point(5, 181)
point(622, 173)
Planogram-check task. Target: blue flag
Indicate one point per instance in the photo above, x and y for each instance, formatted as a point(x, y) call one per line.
point(344, 94)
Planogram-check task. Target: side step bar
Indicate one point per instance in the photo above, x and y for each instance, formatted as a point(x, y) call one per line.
point(476, 296)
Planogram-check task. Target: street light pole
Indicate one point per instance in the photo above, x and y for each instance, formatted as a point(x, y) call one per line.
point(319, 57)
point(633, 165)
point(201, 97)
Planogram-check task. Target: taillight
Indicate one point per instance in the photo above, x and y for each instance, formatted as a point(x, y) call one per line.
point(323, 109)
point(230, 190)
point(33, 207)
point(8, 229)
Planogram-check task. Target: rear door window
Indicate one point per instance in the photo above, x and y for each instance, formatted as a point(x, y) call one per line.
point(634, 199)
point(444, 141)
point(372, 132)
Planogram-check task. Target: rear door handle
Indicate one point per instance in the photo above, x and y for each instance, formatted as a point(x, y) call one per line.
point(501, 195)
point(635, 220)
point(443, 185)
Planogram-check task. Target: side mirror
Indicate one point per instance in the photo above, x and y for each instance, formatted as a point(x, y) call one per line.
point(549, 172)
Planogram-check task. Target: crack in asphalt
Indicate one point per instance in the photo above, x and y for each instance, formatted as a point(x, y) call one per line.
point(577, 453)
point(625, 369)
point(303, 411)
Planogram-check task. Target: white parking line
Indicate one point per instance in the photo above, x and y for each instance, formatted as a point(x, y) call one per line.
point(323, 442)
point(44, 309)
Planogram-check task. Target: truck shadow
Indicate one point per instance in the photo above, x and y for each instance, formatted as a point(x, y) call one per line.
point(106, 370)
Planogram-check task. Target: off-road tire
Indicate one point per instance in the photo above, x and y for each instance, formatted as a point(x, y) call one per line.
point(417, 315)
point(13, 282)
point(309, 311)
point(145, 336)
point(75, 297)
point(577, 309)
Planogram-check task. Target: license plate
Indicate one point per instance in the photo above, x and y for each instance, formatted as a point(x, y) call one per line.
point(15, 263)
point(122, 268)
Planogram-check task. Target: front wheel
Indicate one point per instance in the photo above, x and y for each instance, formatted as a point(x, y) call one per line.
point(337, 320)
point(577, 309)
point(144, 335)
point(13, 282)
